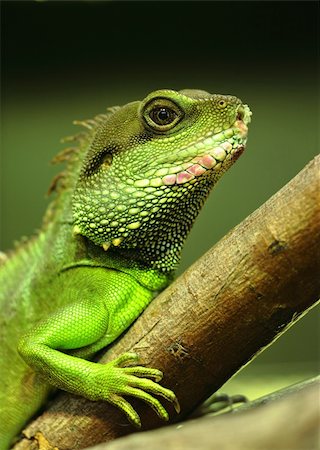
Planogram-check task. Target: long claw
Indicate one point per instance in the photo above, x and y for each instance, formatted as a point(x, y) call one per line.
point(176, 405)
point(124, 406)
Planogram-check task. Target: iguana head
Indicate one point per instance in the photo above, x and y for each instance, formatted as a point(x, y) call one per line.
point(151, 165)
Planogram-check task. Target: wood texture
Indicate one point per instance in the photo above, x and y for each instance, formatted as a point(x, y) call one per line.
point(285, 421)
point(234, 301)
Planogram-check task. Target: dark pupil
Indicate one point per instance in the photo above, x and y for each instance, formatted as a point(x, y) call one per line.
point(162, 116)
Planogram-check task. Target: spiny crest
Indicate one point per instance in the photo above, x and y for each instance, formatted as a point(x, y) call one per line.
point(70, 155)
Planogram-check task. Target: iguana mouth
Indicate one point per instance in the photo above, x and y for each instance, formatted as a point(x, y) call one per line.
point(199, 165)
point(208, 153)
point(213, 152)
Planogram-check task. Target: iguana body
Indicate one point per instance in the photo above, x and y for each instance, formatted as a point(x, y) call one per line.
point(110, 241)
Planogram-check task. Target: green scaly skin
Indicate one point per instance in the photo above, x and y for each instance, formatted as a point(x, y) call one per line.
point(111, 240)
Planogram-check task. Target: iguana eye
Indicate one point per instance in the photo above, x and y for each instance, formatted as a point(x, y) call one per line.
point(162, 114)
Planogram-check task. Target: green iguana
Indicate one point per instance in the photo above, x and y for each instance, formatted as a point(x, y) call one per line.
point(110, 242)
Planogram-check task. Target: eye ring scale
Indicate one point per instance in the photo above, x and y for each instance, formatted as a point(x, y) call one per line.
point(162, 114)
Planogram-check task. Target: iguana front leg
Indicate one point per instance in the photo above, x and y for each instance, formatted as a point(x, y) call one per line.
point(86, 326)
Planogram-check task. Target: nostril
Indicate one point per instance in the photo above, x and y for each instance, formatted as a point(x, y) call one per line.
point(240, 114)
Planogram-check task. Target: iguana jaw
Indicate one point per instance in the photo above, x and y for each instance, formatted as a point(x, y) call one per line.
point(214, 156)
point(212, 152)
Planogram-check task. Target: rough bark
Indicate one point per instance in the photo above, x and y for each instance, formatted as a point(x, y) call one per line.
point(233, 302)
point(289, 419)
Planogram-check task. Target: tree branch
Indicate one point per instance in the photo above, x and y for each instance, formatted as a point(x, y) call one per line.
point(228, 306)
point(288, 419)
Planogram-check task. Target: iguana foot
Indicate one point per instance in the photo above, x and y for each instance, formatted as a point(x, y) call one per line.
point(120, 377)
point(218, 403)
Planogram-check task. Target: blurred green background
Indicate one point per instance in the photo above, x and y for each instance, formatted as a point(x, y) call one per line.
point(70, 60)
